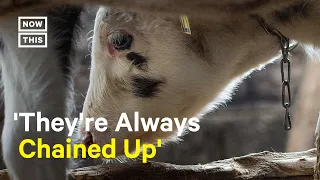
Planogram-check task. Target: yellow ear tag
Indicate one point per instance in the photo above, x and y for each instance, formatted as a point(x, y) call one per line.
point(185, 24)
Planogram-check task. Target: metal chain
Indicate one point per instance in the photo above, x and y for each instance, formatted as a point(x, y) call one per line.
point(285, 71)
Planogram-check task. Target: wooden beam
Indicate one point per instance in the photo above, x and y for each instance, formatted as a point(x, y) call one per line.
point(221, 9)
point(263, 165)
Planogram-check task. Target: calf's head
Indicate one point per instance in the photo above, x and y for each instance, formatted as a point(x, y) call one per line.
point(146, 64)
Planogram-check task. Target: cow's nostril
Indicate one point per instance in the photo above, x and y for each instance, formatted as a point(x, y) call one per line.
point(88, 139)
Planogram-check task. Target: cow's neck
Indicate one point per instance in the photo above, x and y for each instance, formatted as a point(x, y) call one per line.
point(239, 45)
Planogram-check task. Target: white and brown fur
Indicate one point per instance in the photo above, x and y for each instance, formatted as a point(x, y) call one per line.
point(166, 73)
point(163, 73)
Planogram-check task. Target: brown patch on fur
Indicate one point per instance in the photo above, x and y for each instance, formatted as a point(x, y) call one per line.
point(138, 60)
point(145, 87)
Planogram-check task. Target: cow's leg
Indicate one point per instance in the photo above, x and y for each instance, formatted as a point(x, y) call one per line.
point(36, 80)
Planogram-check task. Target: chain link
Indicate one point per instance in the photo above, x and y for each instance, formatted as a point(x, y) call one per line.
point(285, 71)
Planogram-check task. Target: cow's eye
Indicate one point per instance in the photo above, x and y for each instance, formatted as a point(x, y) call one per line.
point(123, 42)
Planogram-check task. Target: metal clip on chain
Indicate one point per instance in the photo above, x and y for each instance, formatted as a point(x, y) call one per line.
point(286, 93)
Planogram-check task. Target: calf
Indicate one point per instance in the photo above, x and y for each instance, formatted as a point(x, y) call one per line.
point(145, 63)
point(140, 63)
